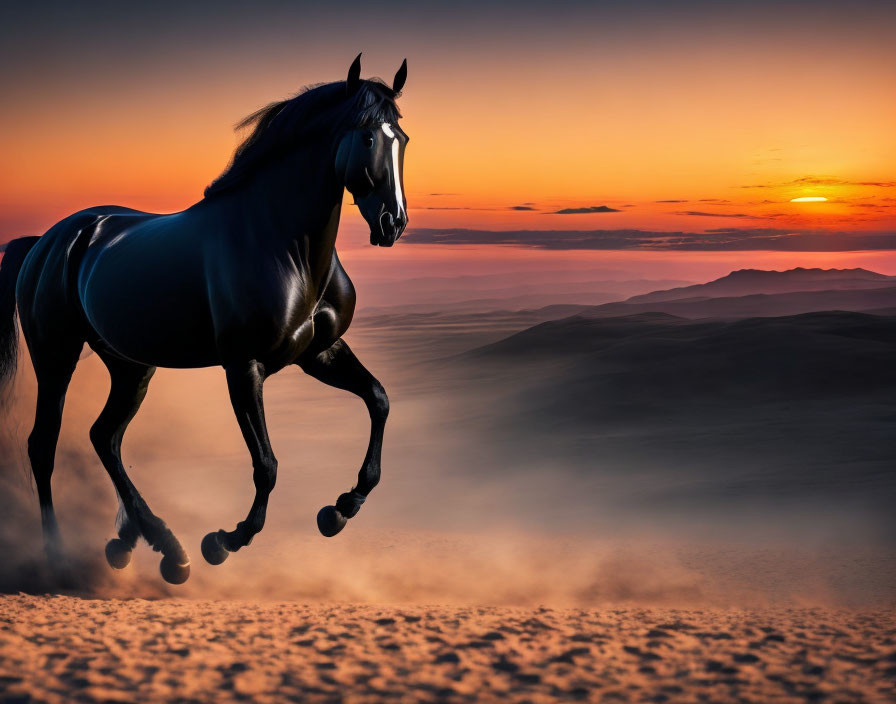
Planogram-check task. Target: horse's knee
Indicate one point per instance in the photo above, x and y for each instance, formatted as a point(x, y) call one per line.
point(265, 474)
point(101, 439)
point(40, 455)
point(38, 450)
point(34, 443)
point(379, 401)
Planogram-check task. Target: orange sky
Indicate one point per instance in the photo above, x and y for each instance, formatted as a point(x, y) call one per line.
point(731, 114)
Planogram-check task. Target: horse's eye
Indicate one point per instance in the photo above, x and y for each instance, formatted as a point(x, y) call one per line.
point(368, 140)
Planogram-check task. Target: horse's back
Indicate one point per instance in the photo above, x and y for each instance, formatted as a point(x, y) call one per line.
point(143, 287)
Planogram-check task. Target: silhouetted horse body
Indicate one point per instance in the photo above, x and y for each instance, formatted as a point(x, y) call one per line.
point(247, 278)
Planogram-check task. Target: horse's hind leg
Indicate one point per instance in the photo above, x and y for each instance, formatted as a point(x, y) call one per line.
point(338, 367)
point(129, 384)
point(53, 366)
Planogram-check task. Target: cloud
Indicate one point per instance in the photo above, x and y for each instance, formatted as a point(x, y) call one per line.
point(700, 213)
point(715, 239)
point(670, 201)
point(823, 181)
point(588, 209)
point(450, 207)
point(445, 207)
point(521, 206)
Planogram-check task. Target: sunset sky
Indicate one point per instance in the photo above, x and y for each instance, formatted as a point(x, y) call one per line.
point(686, 126)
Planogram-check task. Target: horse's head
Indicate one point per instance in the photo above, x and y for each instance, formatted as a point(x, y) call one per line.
point(372, 161)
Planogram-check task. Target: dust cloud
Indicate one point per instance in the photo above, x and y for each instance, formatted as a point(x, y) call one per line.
point(459, 518)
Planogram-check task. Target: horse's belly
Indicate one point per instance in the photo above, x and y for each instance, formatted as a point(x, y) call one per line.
point(172, 342)
point(152, 316)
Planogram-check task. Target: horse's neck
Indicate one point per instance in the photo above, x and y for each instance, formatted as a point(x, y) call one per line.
point(294, 206)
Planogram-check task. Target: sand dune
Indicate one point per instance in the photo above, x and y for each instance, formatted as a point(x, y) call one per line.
point(62, 649)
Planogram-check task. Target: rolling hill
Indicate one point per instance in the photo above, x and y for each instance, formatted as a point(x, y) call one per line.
point(755, 417)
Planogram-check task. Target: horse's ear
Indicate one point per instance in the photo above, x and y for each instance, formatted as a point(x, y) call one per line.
point(400, 77)
point(353, 82)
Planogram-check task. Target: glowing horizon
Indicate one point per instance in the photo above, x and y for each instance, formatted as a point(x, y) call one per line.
point(529, 128)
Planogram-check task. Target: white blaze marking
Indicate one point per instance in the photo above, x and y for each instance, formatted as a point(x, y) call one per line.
point(399, 200)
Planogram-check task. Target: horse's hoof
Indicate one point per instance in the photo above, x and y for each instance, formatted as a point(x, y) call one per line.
point(212, 550)
point(172, 572)
point(118, 554)
point(330, 521)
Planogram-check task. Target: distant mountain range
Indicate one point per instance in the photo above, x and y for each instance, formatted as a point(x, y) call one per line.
point(877, 300)
point(741, 294)
point(755, 293)
point(745, 282)
point(455, 328)
point(771, 338)
point(482, 294)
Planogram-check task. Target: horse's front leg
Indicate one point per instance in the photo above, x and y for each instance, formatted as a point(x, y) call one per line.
point(338, 366)
point(245, 382)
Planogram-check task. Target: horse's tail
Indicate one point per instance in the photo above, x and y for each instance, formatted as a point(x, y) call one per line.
point(13, 257)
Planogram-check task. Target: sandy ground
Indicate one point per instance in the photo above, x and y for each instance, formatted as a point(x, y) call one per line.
point(61, 649)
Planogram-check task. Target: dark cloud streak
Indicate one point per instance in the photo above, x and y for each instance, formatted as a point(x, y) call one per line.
point(701, 214)
point(823, 181)
point(588, 209)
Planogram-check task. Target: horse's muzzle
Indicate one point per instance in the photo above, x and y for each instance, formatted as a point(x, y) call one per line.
point(388, 230)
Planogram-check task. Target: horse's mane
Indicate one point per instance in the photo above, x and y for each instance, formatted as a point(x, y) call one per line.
point(317, 112)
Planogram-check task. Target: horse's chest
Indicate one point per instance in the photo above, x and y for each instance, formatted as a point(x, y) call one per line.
point(264, 317)
point(298, 335)
point(282, 333)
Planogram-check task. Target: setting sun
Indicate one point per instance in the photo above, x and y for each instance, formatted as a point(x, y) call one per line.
point(809, 199)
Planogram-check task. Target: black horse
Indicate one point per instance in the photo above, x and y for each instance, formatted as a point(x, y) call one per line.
point(247, 278)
